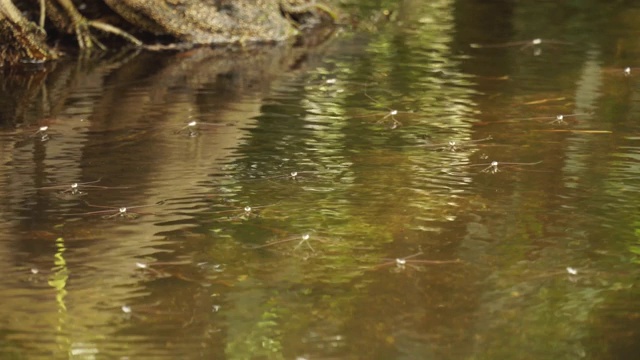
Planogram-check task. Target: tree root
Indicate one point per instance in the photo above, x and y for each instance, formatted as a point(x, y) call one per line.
point(107, 28)
point(20, 40)
point(81, 26)
point(193, 21)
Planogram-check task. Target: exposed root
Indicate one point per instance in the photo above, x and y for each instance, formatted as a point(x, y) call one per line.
point(116, 31)
point(82, 28)
point(21, 40)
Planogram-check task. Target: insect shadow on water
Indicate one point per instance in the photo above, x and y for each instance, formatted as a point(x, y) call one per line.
point(76, 189)
point(193, 128)
point(111, 212)
point(454, 146)
point(390, 115)
point(301, 240)
point(411, 261)
point(492, 167)
point(533, 43)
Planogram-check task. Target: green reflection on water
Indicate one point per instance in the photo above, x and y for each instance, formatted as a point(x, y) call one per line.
point(58, 282)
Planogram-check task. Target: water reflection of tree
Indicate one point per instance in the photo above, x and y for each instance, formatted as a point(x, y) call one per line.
point(531, 301)
point(386, 205)
point(110, 97)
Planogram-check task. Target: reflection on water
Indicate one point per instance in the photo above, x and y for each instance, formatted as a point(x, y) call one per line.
point(395, 194)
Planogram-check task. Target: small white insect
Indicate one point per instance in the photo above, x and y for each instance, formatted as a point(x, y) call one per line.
point(305, 238)
point(572, 271)
point(42, 131)
point(493, 168)
point(559, 120)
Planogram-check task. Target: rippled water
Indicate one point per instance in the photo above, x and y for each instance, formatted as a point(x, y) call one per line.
point(299, 219)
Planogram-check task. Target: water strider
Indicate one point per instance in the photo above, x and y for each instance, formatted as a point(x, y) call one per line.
point(493, 168)
point(42, 133)
point(626, 72)
point(111, 212)
point(193, 128)
point(557, 119)
point(522, 44)
point(389, 115)
point(241, 213)
point(455, 145)
point(560, 119)
point(403, 262)
point(76, 188)
point(294, 175)
point(302, 239)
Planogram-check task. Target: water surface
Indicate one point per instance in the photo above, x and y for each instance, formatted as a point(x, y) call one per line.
point(300, 217)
